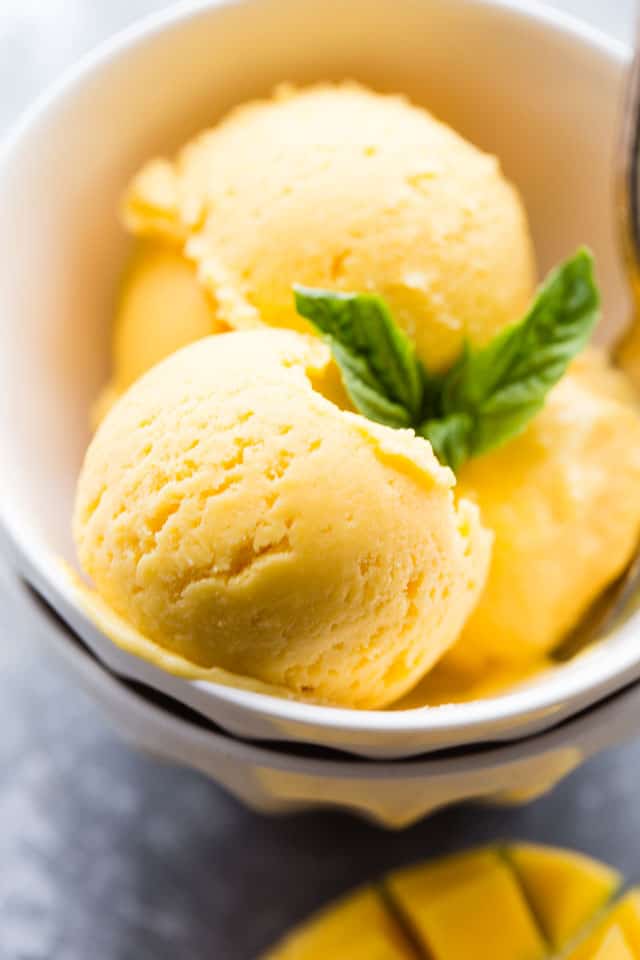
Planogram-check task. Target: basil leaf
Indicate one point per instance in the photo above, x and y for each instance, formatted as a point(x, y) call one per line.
point(490, 394)
point(377, 360)
point(502, 386)
point(364, 390)
point(449, 438)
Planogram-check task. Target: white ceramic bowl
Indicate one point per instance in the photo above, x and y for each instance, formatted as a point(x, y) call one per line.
point(531, 85)
point(286, 779)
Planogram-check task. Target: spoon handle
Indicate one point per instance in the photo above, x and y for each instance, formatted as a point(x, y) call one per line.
point(630, 174)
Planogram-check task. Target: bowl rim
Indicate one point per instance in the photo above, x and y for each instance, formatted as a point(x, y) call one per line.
point(463, 761)
point(559, 694)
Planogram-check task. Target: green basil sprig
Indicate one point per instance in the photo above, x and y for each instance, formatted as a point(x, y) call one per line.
point(489, 394)
point(377, 360)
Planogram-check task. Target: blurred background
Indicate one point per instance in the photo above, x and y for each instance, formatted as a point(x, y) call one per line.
point(109, 855)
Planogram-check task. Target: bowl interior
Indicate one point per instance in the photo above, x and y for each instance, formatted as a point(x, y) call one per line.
point(540, 92)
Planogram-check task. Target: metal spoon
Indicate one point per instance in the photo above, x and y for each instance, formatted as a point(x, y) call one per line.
point(629, 181)
point(622, 598)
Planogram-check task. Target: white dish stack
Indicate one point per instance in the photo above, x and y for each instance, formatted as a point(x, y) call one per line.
point(530, 85)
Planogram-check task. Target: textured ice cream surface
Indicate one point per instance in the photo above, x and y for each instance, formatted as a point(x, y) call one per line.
point(563, 501)
point(342, 188)
point(237, 519)
point(162, 306)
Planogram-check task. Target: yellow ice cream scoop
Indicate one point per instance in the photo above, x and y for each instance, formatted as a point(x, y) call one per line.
point(341, 188)
point(563, 501)
point(162, 307)
point(234, 517)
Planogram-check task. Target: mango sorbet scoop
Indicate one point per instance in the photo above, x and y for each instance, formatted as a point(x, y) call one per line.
point(232, 516)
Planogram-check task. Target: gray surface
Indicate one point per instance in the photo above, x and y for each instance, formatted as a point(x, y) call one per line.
point(108, 855)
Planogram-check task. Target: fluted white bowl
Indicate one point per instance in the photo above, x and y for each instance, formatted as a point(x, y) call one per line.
point(529, 84)
point(278, 779)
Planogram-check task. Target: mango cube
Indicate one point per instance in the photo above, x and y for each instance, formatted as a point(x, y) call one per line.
point(520, 902)
point(625, 916)
point(357, 928)
point(565, 889)
point(468, 906)
point(614, 947)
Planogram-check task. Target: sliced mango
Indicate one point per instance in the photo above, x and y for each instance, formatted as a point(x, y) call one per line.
point(468, 906)
point(614, 947)
point(425, 880)
point(625, 915)
point(357, 928)
point(520, 902)
point(565, 889)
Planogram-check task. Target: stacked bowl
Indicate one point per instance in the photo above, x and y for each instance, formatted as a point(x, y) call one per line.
point(549, 107)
